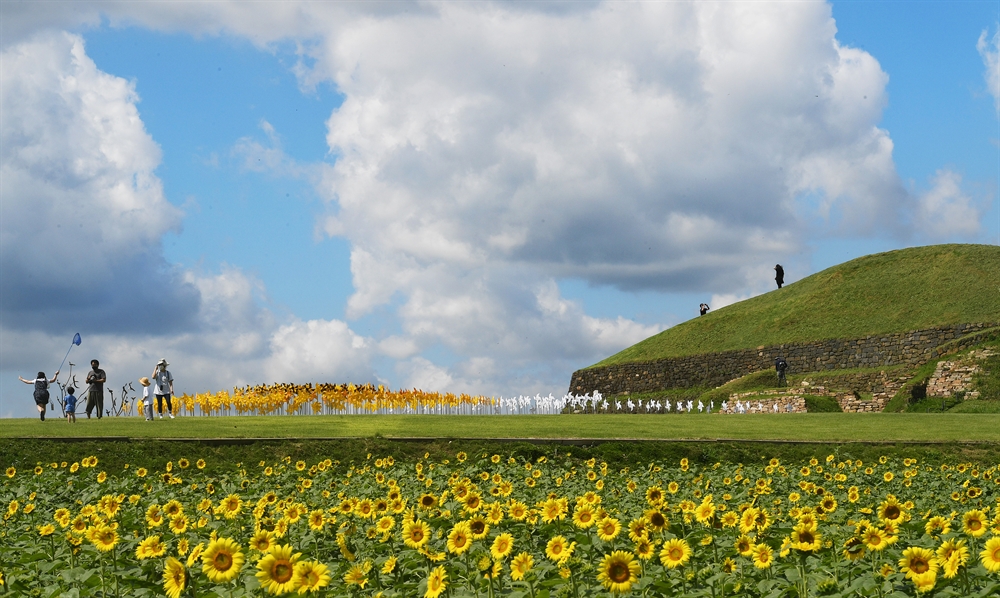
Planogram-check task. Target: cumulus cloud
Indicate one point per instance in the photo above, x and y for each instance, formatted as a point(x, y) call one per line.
point(83, 212)
point(319, 350)
point(989, 49)
point(945, 211)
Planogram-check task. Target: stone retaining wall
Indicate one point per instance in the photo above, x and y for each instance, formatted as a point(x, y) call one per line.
point(715, 369)
point(952, 377)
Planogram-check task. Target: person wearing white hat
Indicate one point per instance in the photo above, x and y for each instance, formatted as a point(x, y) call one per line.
point(163, 387)
point(147, 400)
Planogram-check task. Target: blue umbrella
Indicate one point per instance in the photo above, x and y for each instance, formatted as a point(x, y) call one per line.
point(76, 341)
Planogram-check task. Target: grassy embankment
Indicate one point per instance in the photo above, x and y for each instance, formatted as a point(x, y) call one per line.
point(897, 291)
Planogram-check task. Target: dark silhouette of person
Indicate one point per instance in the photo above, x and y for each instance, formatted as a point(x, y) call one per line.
point(780, 365)
point(703, 308)
point(779, 275)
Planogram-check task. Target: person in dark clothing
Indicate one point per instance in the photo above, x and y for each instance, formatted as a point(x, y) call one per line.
point(779, 275)
point(780, 365)
point(95, 398)
point(703, 308)
point(41, 391)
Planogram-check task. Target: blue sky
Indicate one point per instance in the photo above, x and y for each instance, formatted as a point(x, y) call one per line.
point(465, 197)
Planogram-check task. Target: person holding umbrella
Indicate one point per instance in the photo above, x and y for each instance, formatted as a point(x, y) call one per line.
point(163, 387)
point(41, 390)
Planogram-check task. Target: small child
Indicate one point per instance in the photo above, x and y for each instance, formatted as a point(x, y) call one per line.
point(147, 400)
point(69, 402)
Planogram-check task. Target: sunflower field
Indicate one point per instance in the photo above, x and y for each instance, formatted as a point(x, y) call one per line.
point(490, 525)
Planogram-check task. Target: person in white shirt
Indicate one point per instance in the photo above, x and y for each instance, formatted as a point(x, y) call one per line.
point(147, 399)
point(163, 387)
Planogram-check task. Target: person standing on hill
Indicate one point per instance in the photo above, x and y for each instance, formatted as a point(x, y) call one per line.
point(779, 275)
point(163, 387)
point(703, 308)
point(95, 398)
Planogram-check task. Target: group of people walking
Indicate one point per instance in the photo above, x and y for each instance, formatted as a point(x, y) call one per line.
point(162, 383)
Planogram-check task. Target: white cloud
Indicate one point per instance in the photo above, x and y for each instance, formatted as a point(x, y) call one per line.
point(83, 213)
point(989, 49)
point(321, 350)
point(945, 211)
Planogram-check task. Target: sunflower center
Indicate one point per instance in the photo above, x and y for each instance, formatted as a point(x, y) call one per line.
point(975, 525)
point(676, 553)
point(222, 561)
point(919, 566)
point(282, 572)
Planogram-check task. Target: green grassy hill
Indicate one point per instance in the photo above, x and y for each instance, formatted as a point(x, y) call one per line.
point(897, 291)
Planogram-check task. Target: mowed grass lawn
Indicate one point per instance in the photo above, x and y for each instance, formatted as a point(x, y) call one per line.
point(806, 427)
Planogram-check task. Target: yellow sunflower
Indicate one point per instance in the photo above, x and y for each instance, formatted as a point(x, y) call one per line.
point(917, 561)
point(806, 538)
point(937, 526)
point(874, 538)
point(656, 520)
point(174, 577)
point(953, 550)
point(763, 556)
point(559, 549)
point(675, 553)
point(704, 512)
point(584, 517)
point(644, 549)
point(744, 545)
point(262, 541)
point(222, 560)
point(520, 566)
point(389, 565)
point(437, 581)
point(357, 575)
point(608, 529)
point(195, 555)
point(990, 556)
point(891, 510)
point(416, 533)
point(618, 571)
point(974, 523)
point(460, 538)
point(502, 546)
point(276, 571)
point(149, 548)
point(104, 538)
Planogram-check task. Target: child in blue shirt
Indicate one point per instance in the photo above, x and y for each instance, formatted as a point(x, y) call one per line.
point(69, 401)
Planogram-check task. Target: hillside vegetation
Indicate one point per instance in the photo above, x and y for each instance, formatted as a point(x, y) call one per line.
point(896, 291)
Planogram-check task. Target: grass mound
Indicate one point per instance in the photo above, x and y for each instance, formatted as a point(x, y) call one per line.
point(896, 291)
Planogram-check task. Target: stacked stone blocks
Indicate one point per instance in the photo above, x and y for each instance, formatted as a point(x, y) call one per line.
point(714, 369)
